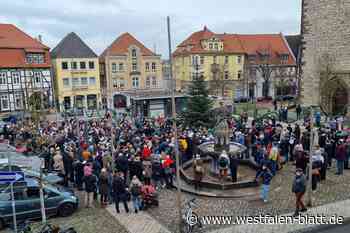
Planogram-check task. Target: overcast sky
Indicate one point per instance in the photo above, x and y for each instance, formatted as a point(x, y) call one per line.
point(99, 22)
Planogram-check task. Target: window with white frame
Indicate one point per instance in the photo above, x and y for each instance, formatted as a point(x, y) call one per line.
point(239, 75)
point(133, 53)
point(135, 82)
point(202, 60)
point(37, 77)
point(226, 75)
point(114, 67)
point(82, 65)
point(91, 65)
point(3, 78)
point(216, 46)
point(16, 78)
point(66, 82)
point(148, 82)
point(35, 58)
point(84, 81)
point(75, 82)
point(92, 81)
point(134, 66)
point(121, 67)
point(18, 101)
point(73, 65)
point(154, 66)
point(4, 102)
point(226, 59)
point(239, 59)
point(147, 66)
point(154, 81)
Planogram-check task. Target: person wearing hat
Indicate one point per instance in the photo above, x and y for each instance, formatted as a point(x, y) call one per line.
point(299, 188)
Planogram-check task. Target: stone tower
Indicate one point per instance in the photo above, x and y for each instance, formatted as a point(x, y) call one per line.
point(325, 29)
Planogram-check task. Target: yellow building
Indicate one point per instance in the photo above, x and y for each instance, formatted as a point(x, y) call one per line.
point(128, 68)
point(219, 58)
point(76, 74)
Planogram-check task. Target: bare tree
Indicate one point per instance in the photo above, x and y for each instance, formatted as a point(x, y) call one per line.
point(220, 80)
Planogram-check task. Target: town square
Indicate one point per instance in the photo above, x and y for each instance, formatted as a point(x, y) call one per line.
point(174, 116)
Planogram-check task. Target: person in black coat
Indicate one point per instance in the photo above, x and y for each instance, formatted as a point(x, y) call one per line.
point(122, 164)
point(120, 191)
point(234, 162)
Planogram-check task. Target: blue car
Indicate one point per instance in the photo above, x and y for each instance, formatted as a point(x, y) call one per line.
point(58, 201)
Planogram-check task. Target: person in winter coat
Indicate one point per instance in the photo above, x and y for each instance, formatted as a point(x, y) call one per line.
point(234, 162)
point(120, 191)
point(122, 164)
point(58, 163)
point(103, 187)
point(135, 191)
point(299, 188)
point(157, 172)
point(147, 171)
point(266, 177)
point(224, 163)
point(90, 182)
point(146, 152)
point(198, 171)
point(135, 168)
point(340, 155)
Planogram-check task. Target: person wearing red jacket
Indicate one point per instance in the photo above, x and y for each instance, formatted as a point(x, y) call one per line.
point(166, 165)
point(146, 152)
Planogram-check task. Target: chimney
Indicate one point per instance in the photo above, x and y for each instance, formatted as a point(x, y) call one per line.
point(40, 39)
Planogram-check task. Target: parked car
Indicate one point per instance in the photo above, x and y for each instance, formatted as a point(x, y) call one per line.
point(285, 98)
point(242, 99)
point(58, 201)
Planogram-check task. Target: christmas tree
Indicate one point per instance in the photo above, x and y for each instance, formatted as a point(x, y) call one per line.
point(199, 105)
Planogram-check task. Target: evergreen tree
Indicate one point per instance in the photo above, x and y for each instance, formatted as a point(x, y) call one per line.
point(198, 105)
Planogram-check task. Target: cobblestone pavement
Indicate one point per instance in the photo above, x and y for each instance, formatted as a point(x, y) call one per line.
point(282, 201)
point(141, 222)
point(86, 220)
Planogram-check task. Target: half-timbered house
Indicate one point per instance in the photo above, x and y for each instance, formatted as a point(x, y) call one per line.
point(25, 71)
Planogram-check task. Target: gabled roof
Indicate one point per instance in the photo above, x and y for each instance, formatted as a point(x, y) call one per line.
point(193, 43)
point(13, 37)
point(121, 46)
point(294, 42)
point(72, 46)
point(14, 44)
point(274, 44)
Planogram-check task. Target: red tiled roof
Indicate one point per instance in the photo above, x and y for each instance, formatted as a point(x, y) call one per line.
point(274, 44)
point(14, 43)
point(13, 37)
point(236, 43)
point(121, 46)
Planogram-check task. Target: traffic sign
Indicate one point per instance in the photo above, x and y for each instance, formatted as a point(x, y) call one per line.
point(10, 177)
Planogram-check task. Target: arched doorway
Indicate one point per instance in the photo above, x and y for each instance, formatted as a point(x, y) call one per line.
point(340, 100)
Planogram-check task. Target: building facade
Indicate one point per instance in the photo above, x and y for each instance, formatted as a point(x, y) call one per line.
point(236, 65)
point(76, 75)
point(325, 34)
point(25, 72)
point(131, 78)
point(219, 58)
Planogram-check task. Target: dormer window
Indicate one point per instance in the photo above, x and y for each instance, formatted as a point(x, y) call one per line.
point(216, 46)
point(35, 58)
point(284, 58)
point(133, 53)
point(210, 46)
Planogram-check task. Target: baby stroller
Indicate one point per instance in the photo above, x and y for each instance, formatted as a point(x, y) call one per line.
point(149, 196)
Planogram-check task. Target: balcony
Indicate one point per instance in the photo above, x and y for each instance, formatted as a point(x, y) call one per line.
point(135, 73)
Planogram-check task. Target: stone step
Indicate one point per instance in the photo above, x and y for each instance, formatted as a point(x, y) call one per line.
point(141, 222)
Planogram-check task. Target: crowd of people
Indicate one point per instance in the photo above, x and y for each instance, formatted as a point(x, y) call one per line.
point(133, 158)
